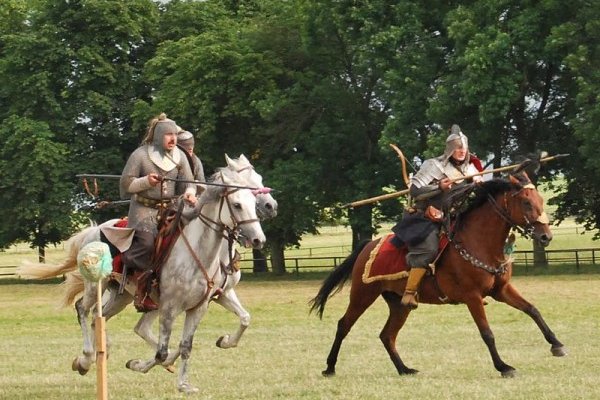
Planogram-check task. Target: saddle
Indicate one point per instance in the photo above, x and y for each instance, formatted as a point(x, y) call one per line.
point(387, 260)
point(168, 232)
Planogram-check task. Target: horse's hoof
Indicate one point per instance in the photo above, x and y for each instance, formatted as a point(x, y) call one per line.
point(170, 368)
point(128, 364)
point(558, 351)
point(220, 341)
point(408, 371)
point(76, 366)
point(187, 388)
point(328, 372)
point(511, 373)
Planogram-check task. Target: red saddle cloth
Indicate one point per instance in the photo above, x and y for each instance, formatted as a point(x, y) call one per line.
point(388, 262)
point(117, 263)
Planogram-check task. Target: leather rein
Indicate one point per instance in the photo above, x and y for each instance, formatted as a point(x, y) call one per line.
point(230, 234)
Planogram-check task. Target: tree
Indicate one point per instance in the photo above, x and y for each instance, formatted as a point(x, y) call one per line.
point(507, 84)
point(76, 67)
point(35, 186)
point(577, 38)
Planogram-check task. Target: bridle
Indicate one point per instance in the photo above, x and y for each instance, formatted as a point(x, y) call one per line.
point(229, 233)
point(505, 213)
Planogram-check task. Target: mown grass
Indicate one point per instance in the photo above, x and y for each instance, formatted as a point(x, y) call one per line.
point(284, 350)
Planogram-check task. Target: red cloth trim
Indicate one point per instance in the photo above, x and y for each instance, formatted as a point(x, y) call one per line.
point(117, 263)
point(473, 159)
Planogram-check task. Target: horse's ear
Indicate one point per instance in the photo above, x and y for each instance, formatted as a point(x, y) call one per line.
point(244, 159)
point(522, 165)
point(514, 180)
point(228, 160)
point(520, 179)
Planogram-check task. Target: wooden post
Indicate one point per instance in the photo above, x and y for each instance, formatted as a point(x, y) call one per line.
point(101, 370)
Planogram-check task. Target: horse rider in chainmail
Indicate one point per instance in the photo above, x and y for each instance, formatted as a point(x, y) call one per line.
point(143, 180)
point(420, 227)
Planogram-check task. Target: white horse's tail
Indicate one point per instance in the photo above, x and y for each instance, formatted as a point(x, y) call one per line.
point(31, 270)
point(73, 286)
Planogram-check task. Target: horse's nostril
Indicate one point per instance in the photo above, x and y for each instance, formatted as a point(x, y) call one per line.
point(268, 206)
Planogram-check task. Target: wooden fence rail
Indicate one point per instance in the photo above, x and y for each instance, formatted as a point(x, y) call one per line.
point(577, 257)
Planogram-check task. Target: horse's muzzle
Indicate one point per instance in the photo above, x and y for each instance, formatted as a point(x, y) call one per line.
point(544, 239)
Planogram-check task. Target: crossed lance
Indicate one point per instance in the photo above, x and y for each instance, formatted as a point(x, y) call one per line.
point(394, 195)
point(102, 204)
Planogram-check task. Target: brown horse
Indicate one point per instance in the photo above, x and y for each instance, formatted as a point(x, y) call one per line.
point(469, 268)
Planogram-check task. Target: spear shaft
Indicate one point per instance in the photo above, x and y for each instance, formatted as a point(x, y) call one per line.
point(107, 176)
point(394, 195)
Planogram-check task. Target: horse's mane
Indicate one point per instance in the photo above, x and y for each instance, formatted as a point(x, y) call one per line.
point(466, 198)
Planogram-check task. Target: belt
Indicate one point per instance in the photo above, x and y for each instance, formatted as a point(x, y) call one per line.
point(152, 203)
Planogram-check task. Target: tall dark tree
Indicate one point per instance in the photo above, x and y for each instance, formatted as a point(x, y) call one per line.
point(35, 185)
point(75, 67)
point(507, 84)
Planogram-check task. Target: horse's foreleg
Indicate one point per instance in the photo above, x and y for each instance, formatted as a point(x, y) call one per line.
point(396, 319)
point(167, 317)
point(230, 302)
point(192, 319)
point(513, 298)
point(144, 328)
point(478, 313)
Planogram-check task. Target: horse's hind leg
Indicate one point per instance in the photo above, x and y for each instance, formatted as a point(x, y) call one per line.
point(511, 296)
point(396, 320)
point(83, 362)
point(359, 302)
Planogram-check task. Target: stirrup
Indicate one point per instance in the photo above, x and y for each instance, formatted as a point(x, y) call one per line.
point(146, 304)
point(409, 300)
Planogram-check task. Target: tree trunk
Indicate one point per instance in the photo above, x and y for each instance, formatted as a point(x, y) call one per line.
point(539, 255)
point(277, 257)
point(41, 254)
point(259, 261)
point(361, 222)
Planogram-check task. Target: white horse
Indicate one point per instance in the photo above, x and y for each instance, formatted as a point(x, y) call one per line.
point(114, 302)
point(266, 208)
point(190, 276)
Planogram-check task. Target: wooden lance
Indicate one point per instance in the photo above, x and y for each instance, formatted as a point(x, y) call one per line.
point(394, 195)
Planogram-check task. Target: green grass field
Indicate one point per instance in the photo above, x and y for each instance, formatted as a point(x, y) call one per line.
point(284, 350)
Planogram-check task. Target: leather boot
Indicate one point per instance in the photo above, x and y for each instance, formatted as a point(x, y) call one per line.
point(142, 300)
point(409, 298)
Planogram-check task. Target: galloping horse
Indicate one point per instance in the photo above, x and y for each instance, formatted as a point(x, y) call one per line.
point(193, 272)
point(266, 208)
point(469, 268)
point(114, 302)
point(190, 276)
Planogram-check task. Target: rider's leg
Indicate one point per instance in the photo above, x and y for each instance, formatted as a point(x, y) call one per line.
point(138, 256)
point(418, 258)
point(409, 298)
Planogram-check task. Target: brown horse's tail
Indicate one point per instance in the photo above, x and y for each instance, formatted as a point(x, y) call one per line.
point(335, 281)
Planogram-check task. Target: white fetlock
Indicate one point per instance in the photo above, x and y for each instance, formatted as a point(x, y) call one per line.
point(187, 388)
